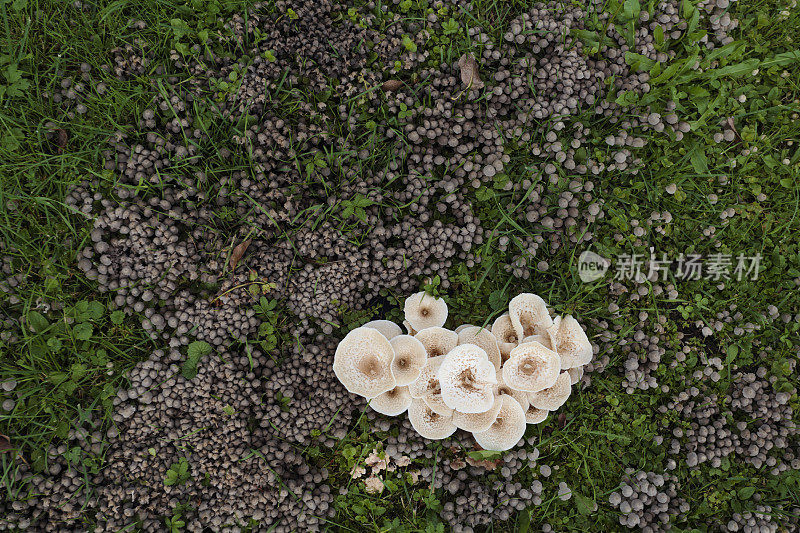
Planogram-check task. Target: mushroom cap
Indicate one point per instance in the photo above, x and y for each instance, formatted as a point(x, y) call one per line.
point(553, 397)
point(484, 339)
point(531, 367)
point(575, 374)
point(501, 388)
point(387, 328)
point(393, 402)
point(409, 359)
point(570, 341)
point(424, 311)
point(544, 340)
point(437, 341)
point(409, 329)
point(437, 405)
point(363, 361)
point(478, 421)
point(507, 339)
point(462, 327)
point(466, 378)
point(507, 429)
point(429, 424)
point(535, 416)
point(529, 315)
point(427, 382)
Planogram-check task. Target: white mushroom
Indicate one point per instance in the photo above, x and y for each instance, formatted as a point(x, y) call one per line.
point(507, 339)
point(478, 421)
point(437, 405)
point(463, 327)
point(393, 402)
point(553, 397)
point(466, 378)
point(424, 311)
point(501, 388)
point(575, 374)
point(507, 429)
point(484, 339)
point(410, 357)
point(437, 341)
point(428, 423)
point(362, 362)
point(544, 340)
point(535, 416)
point(529, 315)
point(409, 329)
point(387, 328)
point(570, 341)
point(531, 367)
point(427, 382)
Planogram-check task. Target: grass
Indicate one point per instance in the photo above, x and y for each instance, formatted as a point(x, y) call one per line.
point(69, 366)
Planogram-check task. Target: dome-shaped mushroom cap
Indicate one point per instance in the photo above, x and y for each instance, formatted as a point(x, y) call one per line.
point(387, 328)
point(529, 315)
point(575, 374)
point(462, 327)
point(535, 416)
point(507, 429)
point(544, 340)
point(466, 378)
point(409, 329)
point(507, 339)
point(553, 397)
point(484, 339)
point(428, 423)
point(410, 357)
point(424, 311)
point(437, 341)
point(570, 341)
point(531, 367)
point(427, 382)
point(363, 361)
point(478, 421)
point(501, 388)
point(393, 402)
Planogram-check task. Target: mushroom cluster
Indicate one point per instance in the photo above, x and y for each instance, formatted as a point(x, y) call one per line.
point(489, 382)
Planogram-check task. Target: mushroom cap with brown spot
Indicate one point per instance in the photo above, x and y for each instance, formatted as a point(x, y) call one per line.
point(362, 362)
point(570, 341)
point(393, 402)
point(535, 416)
point(435, 401)
point(531, 367)
point(409, 330)
point(387, 328)
point(427, 382)
point(429, 424)
point(425, 311)
point(410, 357)
point(467, 379)
point(507, 429)
point(478, 421)
point(437, 341)
point(501, 388)
point(553, 397)
point(484, 339)
point(506, 336)
point(529, 315)
point(543, 339)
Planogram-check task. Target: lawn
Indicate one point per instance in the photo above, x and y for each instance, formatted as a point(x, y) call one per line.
point(199, 199)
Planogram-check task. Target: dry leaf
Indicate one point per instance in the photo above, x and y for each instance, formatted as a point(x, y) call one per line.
point(237, 254)
point(470, 74)
point(391, 85)
point(562, 420)
point(5, 444)
point(484, 463)
point(61, 140)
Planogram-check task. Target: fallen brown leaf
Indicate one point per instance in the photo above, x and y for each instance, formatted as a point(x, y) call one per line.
point(470, 71)
point(237, 253)
point(562, 420)
point(391, 85)
point(5, 444)
point(61, 140)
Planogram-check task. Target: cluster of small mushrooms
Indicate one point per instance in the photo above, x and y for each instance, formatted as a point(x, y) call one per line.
point(489, 382)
